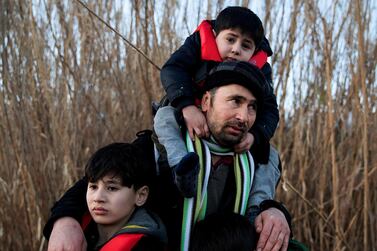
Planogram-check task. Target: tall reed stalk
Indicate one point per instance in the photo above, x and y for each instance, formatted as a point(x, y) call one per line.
point(69, 84)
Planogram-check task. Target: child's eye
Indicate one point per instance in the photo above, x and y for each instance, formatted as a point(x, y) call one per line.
point(92, 186)
point(246, 46)
point(230, 39)
point(112, 188)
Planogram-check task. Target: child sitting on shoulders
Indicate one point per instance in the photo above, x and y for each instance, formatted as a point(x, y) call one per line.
point(236, 34)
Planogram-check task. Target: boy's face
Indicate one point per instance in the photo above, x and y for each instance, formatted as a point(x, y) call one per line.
point(111, 203)
point(233, 45)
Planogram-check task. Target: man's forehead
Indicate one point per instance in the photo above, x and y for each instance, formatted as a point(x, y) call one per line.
point(234, 87)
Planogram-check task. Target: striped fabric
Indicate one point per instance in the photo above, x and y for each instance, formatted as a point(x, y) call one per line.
point(194, 209)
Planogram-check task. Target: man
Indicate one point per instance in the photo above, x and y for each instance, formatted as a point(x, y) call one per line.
point(234, 91)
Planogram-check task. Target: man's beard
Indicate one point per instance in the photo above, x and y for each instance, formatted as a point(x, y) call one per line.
point(226, 139)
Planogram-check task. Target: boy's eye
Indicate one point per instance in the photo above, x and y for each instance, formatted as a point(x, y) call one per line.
point(246, 46)
point(112, 188)
point(230, 39)
point(92, 186)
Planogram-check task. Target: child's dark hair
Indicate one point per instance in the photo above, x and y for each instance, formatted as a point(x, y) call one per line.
point(119, 159)
point(223, 232)
point(236, 17)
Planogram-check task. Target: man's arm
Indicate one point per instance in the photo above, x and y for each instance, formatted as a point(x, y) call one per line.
point(72, 204)
point(67, 235)
point(266, 179)
point(274, 230)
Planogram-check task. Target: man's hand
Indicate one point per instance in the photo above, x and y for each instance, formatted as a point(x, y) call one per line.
point(245, 143)
point(273, 229)
point(195, 122)
point(67, 235)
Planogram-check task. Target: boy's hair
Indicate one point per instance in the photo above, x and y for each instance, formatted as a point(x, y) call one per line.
point(119, 159)
point(224, 232)
point(236, 17)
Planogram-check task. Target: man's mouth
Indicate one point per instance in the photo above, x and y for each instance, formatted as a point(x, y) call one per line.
point(236, 129)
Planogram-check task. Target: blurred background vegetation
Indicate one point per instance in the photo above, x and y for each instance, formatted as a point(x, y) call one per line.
point(69, 84)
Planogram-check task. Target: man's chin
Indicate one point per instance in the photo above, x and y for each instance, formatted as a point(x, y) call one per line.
point(228, 140)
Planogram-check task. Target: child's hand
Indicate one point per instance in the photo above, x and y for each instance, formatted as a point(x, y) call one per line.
point(245, 143)
point(195, 122)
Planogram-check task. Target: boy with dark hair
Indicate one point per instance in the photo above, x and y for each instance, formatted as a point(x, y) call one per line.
point(237, 34)
point(224, 232)
point(118, 187)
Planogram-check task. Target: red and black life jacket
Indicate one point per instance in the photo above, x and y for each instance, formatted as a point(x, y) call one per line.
point(120, 242)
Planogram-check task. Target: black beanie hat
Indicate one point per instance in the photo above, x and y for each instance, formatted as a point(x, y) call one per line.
point(237, 72)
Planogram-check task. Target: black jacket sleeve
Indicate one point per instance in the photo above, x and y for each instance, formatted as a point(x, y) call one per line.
point(177, 73)
point(266, 121)
point(268, 116)
point(73, 204)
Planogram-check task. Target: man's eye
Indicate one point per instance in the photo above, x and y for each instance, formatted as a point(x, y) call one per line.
point(253, 107)
point(235, 101)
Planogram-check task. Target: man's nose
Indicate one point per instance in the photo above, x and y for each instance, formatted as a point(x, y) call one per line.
point(242, 114)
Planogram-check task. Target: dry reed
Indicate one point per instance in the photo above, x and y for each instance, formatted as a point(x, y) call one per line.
point(70, 85)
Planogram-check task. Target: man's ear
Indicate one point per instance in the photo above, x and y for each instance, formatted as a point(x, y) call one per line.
point(206, 99)
point(142, 195)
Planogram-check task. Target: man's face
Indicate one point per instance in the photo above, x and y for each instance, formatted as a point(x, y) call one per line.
point(233, 45)
point(230, 113)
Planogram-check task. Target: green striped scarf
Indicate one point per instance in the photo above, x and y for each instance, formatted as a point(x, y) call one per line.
point(194, 209)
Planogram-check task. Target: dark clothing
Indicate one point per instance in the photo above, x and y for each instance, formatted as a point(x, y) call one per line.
point(185, 70)
point(164, 198)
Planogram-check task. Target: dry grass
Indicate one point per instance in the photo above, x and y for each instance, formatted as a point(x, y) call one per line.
point(69, 85)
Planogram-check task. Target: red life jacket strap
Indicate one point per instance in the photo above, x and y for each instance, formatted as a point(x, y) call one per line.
point(86, 219)
point(208, 42)
point(259, 59)
point(122, 242)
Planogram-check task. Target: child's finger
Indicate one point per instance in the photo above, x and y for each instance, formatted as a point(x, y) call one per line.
point(206, 131)
point(199, 132)
point(240, 148)
point(191, 133)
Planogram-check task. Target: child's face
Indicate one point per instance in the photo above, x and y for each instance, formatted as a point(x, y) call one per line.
point(233, 45)
point(111, 203)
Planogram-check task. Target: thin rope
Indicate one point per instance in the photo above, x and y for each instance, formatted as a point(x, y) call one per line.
point(120, 35)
